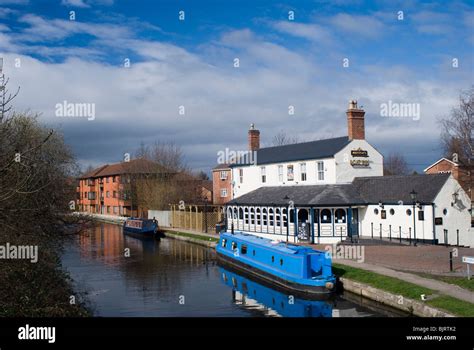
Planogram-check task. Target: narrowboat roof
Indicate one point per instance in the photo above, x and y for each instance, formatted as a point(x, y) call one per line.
point(265, 242)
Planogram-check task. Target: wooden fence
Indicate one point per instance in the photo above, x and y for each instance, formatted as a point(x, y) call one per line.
point(202, 218)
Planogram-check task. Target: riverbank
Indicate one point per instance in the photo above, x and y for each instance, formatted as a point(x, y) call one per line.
point(37, 287)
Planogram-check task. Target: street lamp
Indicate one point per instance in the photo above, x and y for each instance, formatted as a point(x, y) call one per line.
point(413, 195)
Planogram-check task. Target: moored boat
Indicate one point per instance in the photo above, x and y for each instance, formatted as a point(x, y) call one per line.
point(299, 269)
point(141, 227)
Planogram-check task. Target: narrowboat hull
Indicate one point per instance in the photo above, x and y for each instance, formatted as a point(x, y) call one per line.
point(140, 228)
point(288, 286)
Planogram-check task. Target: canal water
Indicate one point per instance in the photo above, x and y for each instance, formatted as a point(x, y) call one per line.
point(122, 275)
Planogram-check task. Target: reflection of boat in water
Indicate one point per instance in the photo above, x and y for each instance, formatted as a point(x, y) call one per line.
point(295, 268)
point(141, 227)
point(255, 296)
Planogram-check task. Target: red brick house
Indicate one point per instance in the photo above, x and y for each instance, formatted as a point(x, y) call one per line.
point(462, 173)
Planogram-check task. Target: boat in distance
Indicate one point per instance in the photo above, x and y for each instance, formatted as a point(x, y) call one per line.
point(141, 227)
point(299, 269)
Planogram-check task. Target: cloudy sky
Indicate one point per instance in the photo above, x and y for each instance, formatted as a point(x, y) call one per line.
point(332, 51)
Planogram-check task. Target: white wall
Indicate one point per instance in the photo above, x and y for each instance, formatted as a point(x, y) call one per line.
point(163, 217)
point(252, 175)
point(399, 220)
point(457, 217)
point(345, 172)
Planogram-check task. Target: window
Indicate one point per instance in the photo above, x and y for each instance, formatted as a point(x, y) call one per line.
point(241, 175)
point(281, 262)
point(376, 211)
point(326, 216)
point(234, 245)
point(392, 212)
point(290, 173)
point(409, 212)
point(383, 214)
point(116, 210)
point(280, 173)
point(445, 211)
point(108, 209)
point(340, 216)
point(263, 173)
point(320, 171)
point(223, 175)
point(243, 249)
point(107, 194)
point(223, 192)
point(303, 171)
point(224, 242)
point(421, 215)
point(273, 259)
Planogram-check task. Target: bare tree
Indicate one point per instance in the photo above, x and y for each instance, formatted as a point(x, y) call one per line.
point(457, 129)
point(282, 138)
point(395, 164)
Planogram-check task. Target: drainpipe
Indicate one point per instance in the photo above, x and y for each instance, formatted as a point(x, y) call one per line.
point(433, 222)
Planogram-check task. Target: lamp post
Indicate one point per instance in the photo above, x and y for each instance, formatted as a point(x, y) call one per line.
point(413, 195)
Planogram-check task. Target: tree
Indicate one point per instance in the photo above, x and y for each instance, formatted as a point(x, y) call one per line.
point(457, 130)
point(282, 138)
point(202, 175)
point(395, 164)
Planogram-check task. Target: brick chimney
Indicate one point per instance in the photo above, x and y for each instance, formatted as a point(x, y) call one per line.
point(254, 138)
point(355, 122)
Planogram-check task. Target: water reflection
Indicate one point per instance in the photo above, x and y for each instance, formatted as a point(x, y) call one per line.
point(130, 276)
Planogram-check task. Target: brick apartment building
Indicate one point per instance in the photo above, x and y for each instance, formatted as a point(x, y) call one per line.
point(112, 189)
point(105, 190)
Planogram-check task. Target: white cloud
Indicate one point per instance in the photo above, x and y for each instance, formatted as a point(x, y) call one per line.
point(74, 3)
point(358, 25)
point(313, 32)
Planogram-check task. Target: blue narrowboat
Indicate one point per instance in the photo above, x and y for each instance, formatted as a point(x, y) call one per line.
point(141, 227)
point(301, 270)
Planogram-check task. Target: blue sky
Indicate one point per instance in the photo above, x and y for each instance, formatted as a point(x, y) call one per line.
point(282, 62)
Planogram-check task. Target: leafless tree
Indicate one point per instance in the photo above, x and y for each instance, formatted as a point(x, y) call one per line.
point(282, 138)
point(457, 129)
point(395, 164)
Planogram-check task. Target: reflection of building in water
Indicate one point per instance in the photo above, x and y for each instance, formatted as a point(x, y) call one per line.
point(104, 242)
point(192, 253)
point(269, 302)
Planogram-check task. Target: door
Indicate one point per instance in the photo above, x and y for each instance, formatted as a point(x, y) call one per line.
point(354, 222)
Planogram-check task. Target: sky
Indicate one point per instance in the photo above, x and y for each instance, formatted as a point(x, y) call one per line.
point(228, 64)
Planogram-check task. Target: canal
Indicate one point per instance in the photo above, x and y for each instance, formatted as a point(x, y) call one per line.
point(120, 275)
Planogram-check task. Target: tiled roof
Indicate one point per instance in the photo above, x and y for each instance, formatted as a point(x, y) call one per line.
point(135, 166)
point(298, 151)
point(363, 190)
point(302, 195)
point(392, 189)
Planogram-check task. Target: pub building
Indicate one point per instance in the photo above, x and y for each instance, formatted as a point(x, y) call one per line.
point(331, 190)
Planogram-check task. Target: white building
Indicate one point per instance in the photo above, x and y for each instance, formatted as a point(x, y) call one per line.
point(326, 191)
point(329, 161)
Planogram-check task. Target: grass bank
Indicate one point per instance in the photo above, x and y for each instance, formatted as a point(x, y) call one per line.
point(462, 282)
point(406, 289)
point(194, 236)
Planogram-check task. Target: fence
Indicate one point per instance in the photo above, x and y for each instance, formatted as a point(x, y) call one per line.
point(200, 217)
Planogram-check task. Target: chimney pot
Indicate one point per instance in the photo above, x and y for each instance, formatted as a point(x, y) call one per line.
point(355, 121)
point(253, 138)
